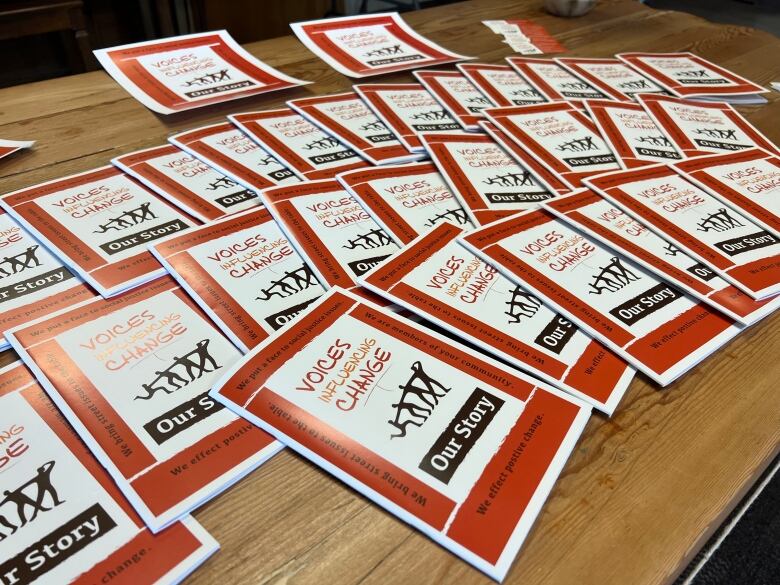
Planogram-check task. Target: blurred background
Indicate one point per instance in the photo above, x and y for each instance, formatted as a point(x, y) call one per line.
point(51, 38)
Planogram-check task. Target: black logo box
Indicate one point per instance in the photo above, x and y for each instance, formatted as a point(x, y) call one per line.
point(452, 446)
point(280, 319)
point(67, 540)
point(391, 60)
point(236, 198)
point(35, 283)
point(377, 138)
point(144, 236)
point(436, 127)
point(518, 197)
point(556, 334)
point(360, 267)
point(597, 159)
point(659, 153)
point(181, 417)
point(322, 159)
point(720, 145)
point(219, 89)
point(646, 303)
point(748, 243)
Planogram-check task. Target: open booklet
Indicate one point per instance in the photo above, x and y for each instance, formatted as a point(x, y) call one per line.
point(458, 445)
point(132, 375)
point(62, 519)
point(180, 73)
point(370, 44)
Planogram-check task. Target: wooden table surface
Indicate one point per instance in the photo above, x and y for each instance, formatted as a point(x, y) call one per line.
point(642, 491)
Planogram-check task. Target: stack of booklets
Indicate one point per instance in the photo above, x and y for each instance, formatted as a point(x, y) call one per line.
point(422, 287)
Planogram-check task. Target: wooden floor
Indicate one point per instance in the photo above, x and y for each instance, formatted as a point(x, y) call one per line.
point(642, 491)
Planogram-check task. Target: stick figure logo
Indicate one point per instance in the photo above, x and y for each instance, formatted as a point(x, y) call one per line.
point(671, 249)
point(127, 219)
point(521, 305)
point(375, 126)
point(419, 397)
point(717, 133)
point(456, 215)
point(478, 101)
point(209, 78)
point(720, 221)
point(322, 144)
point(430, 116)
point(636, 84)
point(376, 238)
point(575, 86)
point(695, 73)
point(266, 160)
point(526, 93)
point(293, 282)
point(20, 262)
point(655, 140)
point(522, 179)
point(30, 498)
point(221, 183)
point(612, 277)
point(578, 145)
point(183, 371)
point(384, 51)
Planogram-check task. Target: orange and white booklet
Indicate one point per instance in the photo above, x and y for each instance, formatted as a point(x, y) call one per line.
point(187, 182)
point(243, 272)
point(330, 229)
point(180, 73)
point(631, 133)
point(406, 200)
point(233, 153)
point(649, 322)
point(698, 128)
point(554, 81)
point(690, 76)
point(612, 77)
point(99, 223)
point(501, 84)
point(458, 445)
point(488, 182)
point(299, 144)
point(437, 278)
point(8, 147)
point(600, 219)
point(346, 117)
point(715, 233)
point(132, 375)
point(33, 282)
point(370, 44)
point(457, 94)
point(748, 180)
point(558, 136)
point(408, 109)
point(63, 518)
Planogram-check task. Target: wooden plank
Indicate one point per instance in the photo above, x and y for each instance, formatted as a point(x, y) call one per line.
point(642, 491)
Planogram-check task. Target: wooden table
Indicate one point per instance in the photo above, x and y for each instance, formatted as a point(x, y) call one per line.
point(642, 491)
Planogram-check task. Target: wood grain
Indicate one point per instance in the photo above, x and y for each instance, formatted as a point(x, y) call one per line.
point(642, 491)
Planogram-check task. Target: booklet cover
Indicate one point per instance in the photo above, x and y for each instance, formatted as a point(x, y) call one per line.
point(33, 282)
point(99, 224)
point(407, 200)
point(554, 81)
point(748, 180)
point(233, 153)
point(8, 147)
point(62, 519)
point(484, 177)
point(408, 109)
point(461, 98)
point(601, 219)
point(347, 118)
point(456, 444)
point(612, 77)
point(631, 133)
point(243, 272)
point(713, 232)
point(132, 376)
point(370, 44)
point(291, 138)
point(688, 75)
point(187, 182)
point(501, 84)
point(437, 278)
point(698, 128)
point(190, 71)
point(558, 136)
point(650, 323)
point(336, 237)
